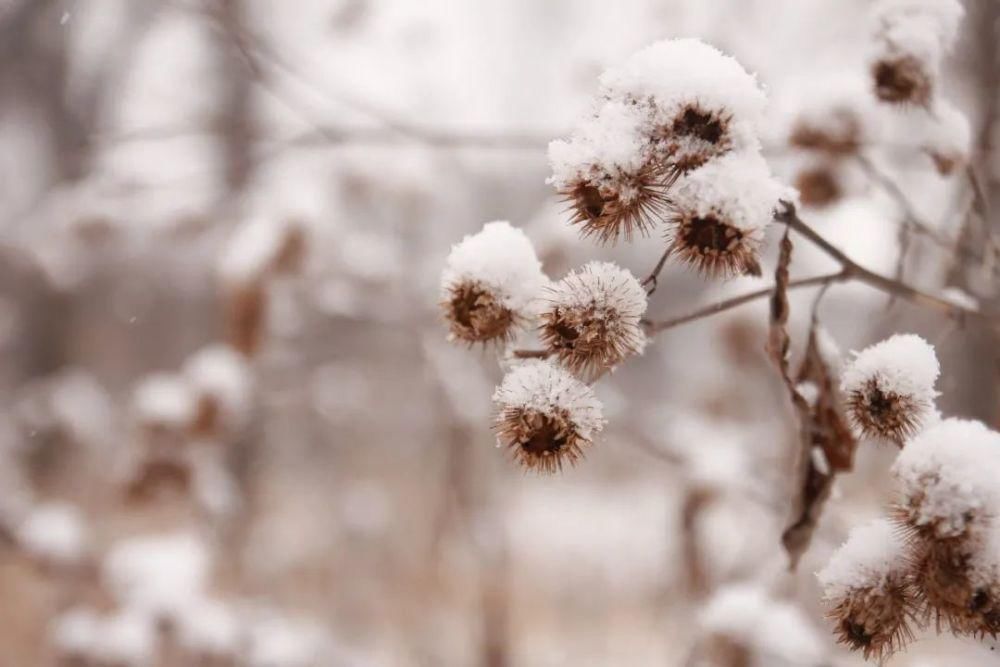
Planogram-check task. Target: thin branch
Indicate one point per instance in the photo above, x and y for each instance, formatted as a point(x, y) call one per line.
point(649, 282)
point(532, 354)
point(654, 327)
point(855, 271)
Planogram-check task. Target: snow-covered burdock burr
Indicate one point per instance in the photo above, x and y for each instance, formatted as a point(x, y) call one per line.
point(719, 213)
point(948, 478)
point(867, 587)
point(700, 104)
point(890, 388)
point(911, 38)
point(591, 322)
point(545, 416)
point(666, 111)
point(490, 282)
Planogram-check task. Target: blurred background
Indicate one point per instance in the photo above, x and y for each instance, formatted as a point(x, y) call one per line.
point(233, 432)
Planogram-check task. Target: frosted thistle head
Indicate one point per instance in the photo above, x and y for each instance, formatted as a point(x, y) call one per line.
point(889, 388)
point(868, 591)
point(592, 319)
point(545, 416)
point(947, 477)
point(719, 213)
point(489, 283)
point(701, 104)
point(607, 175)
point(911, 39)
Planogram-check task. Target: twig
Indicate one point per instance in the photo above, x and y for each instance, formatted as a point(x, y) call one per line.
point(650, 281)
point(532, 354)
point(654, 327)
point(855, 271)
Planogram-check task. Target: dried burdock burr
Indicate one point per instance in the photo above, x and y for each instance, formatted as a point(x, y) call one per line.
point(489, 284)
point(889, 388)
point(545, 417)
point(591, 320)
point(719, 213)
point(868, 590)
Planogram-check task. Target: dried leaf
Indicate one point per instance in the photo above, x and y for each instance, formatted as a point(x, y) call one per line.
point(826, 445)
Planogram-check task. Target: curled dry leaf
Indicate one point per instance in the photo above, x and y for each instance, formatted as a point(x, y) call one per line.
point(826, 445)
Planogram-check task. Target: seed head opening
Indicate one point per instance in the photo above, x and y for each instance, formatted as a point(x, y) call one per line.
point(713, 245)
point(694, 136)
point(886, 415)
point(476, 315)
point(902, 80)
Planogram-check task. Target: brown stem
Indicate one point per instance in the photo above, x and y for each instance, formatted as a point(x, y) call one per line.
point(532, 354)
point(855, 271)
point(654, 327)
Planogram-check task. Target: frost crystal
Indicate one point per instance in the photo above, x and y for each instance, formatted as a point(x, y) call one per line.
point(948, 478)
point(890, 387)
point(592, 320)
point(490, 282)
point(545, 415)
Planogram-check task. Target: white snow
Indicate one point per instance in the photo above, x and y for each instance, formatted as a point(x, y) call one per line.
point(210, 628)
point(777, 630)
point(501, 258)
point(219, 372)
point(165, 398)
point(75, 632)
point(737, 187)
point(547, 388)
point(952, 467)
point(904, 364)
point(55, 532)
point(605, 146)
point(126, 638)
point(872, 553)
point(675, 72)
point(923, 28)
point(252, 249)
point(159, 574)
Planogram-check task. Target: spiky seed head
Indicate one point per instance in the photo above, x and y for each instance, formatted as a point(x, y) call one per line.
point(545, 416)
point(719, 213)
point(592, 318)
point(947, 481)
point(489, 285)
point(889, 388)
point(612, 206)
point(818, 186)
point(607, 173)
point(867, 588)
point(475, 314)
point(714, 245)
point(902, 79)
point(885, 415)
point(836, 133)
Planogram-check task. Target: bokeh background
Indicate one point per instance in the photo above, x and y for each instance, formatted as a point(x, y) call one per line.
point(210, 461)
